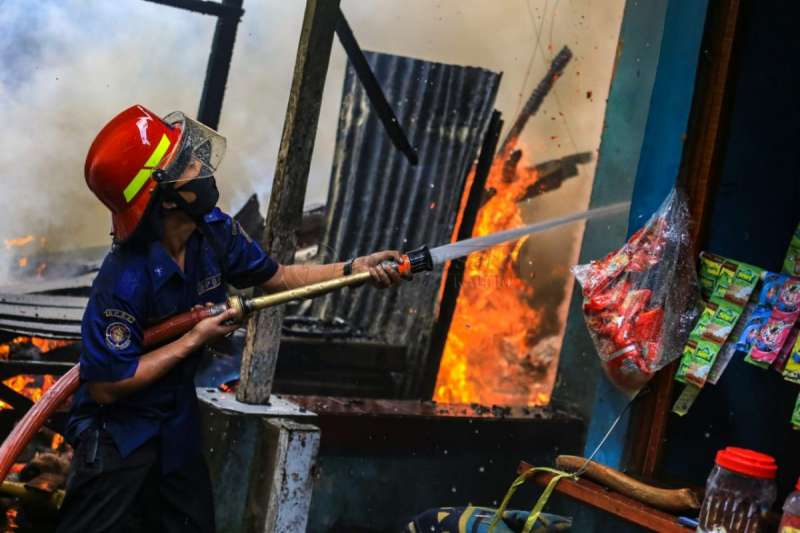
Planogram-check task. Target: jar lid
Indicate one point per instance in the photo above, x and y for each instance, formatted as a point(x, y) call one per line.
point(747, 462)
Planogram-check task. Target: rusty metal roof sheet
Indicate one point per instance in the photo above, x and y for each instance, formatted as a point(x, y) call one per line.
point(377, 200)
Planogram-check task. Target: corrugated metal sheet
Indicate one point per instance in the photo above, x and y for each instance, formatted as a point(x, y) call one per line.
point(377, 200)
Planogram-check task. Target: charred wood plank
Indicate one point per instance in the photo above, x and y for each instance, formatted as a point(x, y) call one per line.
point(61, 314)
point(42, 300)
point(308, 353)
point(219, 63)
point(289, 189)
point(42, 329)
point(17, 401)
point(32, 497)
point(536, 98)
point(373, 90)
point(46, 482)
point(455, 271)
point(205, 7)
point(70, 284)
point(550, 175)
point(15, 368)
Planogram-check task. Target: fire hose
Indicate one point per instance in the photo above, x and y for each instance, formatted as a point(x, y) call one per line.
point(418, 260)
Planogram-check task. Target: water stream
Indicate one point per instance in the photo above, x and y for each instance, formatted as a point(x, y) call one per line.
point(446, 252)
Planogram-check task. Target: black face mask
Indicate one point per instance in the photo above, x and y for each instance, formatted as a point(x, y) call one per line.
point(206, 196)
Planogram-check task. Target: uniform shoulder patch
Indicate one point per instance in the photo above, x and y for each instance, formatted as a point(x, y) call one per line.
point(118, 336)
point(119, 314)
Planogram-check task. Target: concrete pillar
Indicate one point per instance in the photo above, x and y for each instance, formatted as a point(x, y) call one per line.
point(261, 459)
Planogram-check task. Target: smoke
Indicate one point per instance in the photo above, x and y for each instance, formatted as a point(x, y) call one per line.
point(70, 65)
point(73, 65)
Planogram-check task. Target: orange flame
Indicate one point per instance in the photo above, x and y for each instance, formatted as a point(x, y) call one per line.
point(11, 519)
point(19, 241)
point(30, 386)
point(44, 345)
point(57, 441)
point(488, 358)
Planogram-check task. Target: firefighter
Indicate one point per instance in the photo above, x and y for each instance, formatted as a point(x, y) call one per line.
point(134, 423)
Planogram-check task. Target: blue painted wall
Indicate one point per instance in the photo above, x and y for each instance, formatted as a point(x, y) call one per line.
point(640, 152)
point(660, 157)
point(641, 149)
point(623, 135)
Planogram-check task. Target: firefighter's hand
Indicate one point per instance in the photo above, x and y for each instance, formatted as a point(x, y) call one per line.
point(213, 327)
point(382, 275)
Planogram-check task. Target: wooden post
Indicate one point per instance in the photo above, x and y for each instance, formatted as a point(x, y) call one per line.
point(699, 174)
point(219, 64)
point(289, 189)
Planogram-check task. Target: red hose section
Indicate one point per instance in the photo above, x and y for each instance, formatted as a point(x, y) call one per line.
point(172, 327)
point(35, 418)
point(41, 411)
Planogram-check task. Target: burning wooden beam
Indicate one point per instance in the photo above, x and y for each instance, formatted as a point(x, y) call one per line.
point(536, 98)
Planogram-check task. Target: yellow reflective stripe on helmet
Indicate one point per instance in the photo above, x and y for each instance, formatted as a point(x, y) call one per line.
point(140, 178)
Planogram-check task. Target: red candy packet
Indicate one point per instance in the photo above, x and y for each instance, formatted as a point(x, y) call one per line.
point(639, 301)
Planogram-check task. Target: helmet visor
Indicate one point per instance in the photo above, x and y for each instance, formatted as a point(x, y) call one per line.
point(198, 154)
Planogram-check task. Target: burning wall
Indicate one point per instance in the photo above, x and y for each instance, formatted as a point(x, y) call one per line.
point(496, 350)
point(58, 94)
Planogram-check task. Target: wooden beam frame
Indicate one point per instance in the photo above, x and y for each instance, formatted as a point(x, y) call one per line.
point(289, 189)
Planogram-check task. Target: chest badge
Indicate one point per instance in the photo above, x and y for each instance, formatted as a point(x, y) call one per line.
point(118, 336)
point(208, 284)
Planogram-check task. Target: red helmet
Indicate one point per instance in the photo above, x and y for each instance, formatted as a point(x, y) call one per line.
point(136, 151)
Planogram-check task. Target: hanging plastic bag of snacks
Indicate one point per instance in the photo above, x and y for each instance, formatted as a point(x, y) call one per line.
point(639, 301)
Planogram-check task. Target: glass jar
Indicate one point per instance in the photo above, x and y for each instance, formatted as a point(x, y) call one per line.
point(790, 523)
point(739, 492)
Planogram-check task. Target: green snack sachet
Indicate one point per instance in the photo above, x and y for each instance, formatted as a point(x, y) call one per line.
point(728, 285)
point(709, 334)
point(686, 358)
point(710, 265)
point(686, 399)
point(736, 282)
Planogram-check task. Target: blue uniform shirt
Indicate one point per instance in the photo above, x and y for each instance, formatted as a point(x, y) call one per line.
point(135, 289)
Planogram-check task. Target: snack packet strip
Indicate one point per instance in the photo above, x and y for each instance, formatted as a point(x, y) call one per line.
point(687, 356)
point(710, 265)
point(736, 282)
point(710, 334)
point(781, 293)
point(732, 346)
point(771, 338)
point(730, 283)
point(686, 399)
